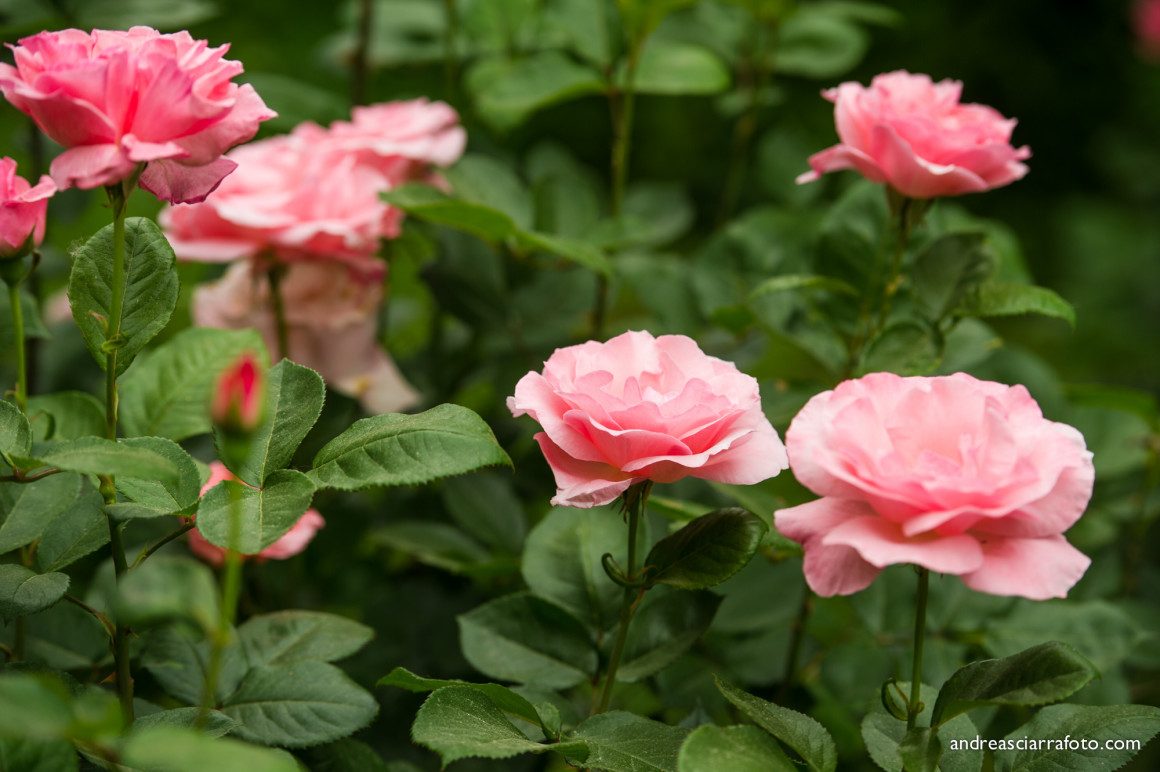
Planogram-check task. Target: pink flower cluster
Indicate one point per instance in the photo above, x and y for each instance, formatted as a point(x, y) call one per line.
point(116, 100)
point(290, 544)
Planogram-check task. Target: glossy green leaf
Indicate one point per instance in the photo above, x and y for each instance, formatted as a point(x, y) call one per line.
point(76, 532)
point(707, 551)
point(24, 592)
point(151, 289)
point(27, 509)
point(665, 627)
point(283, 637)
point(625, 742)
point(168, 393)
point(394, 449)
point(266, 513)
point(503, 698)
point(527, 639)
point(999, 298)
point(299, 704)
point(67, 414)
point(1045, 673)
point(166, 588)
point(712, 748)
point(1111, 735)
point(435, 206)
point(673, 68)
point(151, 497)
point(294, 397)
point(887, 740)
point(950, 268)
point(459, 722)
point(181, 749)
point(178, 659)
point(15, 433)
point(512, 92)
point(804, 735)
point(96, 455)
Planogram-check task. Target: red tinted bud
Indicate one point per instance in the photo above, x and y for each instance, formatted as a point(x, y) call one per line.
point(239, 402)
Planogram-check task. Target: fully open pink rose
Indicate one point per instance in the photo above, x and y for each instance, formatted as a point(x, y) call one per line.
point(117, 99)
point(402, 139)
point(332, 318)
point(22, 210)
point(643, 408)
point(954, 474)
point(290, 544)
point(912, 134)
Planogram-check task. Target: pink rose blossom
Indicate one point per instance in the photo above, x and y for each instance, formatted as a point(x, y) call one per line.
point(332, 317)
point(1146, 20)
point(290, 544)
point(117, 99)
point(22, 210)
point(642, 408)
point(402, 139)
point(954, 474)
point(915, 136)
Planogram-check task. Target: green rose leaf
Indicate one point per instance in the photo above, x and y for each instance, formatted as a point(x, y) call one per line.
point(707, 551)
point(665, 627)
point(625, 741)
point(712, 748)
point(217, 724)
point(395, 449)
point(15, 432)
point(435, 206)
point(168, 393)
point(889, 743)
point(182, 749)
point(38, 755)
point(1002, 298)
point(804, 735)
point(96, 455)
point(66, 415)
point(801, 281)
point(24, 592)
point(284, 637)
point(166, 588)
point(27, 509)
point(299, 704)
point(502, 697)
point(266, 513)
point(1045, 673)
point(150, 497)
point(1111, 735)
point(950, 268)
point(508, 93)
point(527, 639)
point(675, 68)
point(150, 287)
point(77, 531)
point(178, 658)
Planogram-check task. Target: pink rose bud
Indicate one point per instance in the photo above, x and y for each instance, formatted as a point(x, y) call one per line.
point(115, 99)
point(239, 402)
point(954, 474)
point(643, 408)
point(288, 545)
point(22, 210)
point(915, 136)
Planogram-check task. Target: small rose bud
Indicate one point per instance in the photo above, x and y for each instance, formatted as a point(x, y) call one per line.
point(239, 402)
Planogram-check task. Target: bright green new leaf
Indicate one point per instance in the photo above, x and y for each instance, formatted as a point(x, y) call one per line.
point(166, 588)
point(181, 749)
point(299, 704)
point(96, 455)
point(804, 735)
point(1045, 673)
point(665, 627)
point(707, 551)
point(1060, 728)
point(266, 513)
point(24, 592)
point(625, 742)
point(150, 497)
point(712, 748)
point(168, 393)
point(501, 696)
point(395, 449)
point(1002, 298)
point(150, 289)
point(283, 637)
point(527, 639)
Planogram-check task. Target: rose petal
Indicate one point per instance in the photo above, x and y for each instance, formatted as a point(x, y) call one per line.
point(1030, 568)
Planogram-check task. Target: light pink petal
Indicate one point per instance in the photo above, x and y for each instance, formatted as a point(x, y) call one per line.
point(916, 177)
point(1030, 568)
point(579, 483)
point(829, 570)
point(882, 543)
point(840, 157)
point(295, 540)
point(177, 183)
point(90, 166)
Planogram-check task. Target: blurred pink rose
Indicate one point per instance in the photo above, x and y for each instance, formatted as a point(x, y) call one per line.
point(332, 318)
point(954, 474)
point(643, 408)
point(22, 210)
point(1146, 20)
point(291, 543)
point(239, 401)
point(913, 135)
point(115, 99)
point(402, 139)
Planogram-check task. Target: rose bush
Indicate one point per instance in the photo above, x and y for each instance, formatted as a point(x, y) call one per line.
point(642, 408)
point(290, 544)
point(117, 99)
point(331, 317)
point(22, 209)
point(954, 474)
point(915, 136)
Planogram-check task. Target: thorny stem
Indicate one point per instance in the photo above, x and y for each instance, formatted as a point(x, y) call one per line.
point(231, 589)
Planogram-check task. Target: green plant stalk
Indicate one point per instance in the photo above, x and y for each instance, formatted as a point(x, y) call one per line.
point(231, 589)
point(795, 646)
point(450, 56)
point(360, 71)
point(275, 274)
point(632, 597)
point(915, 706)
point(18, 333)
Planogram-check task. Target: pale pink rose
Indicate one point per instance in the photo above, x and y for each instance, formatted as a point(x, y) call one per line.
point(1146, 20)
point(290, 544)
point(915, 136)
point(117, 99)
point(642, 408)
point(954, 474)
point(332, 319)
point(22, 210)
point(402, 139)
point(292, 197)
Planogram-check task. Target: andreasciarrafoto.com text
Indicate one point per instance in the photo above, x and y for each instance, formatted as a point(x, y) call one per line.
point(1068, 743)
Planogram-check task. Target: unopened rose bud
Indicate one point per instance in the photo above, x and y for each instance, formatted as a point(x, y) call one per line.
point(239, 402)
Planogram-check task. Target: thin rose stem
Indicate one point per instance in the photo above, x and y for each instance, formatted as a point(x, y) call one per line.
point(231, 589)
point(914, 708)
point(275, 273)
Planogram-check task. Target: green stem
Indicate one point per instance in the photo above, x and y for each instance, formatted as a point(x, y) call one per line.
point(145, 553)
point(632, 596)
point(795, 646)
point(915, 706)
point(359, 69)
point(450, 56)
point(894, 278)
point(275, 274)
point(18, 332)
point(231, 589)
